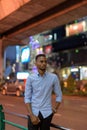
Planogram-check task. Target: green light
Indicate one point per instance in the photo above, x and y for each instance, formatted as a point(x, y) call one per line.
point(76, 50)
point(76, 21)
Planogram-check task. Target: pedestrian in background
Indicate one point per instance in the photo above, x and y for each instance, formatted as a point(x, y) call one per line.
point(38, 93)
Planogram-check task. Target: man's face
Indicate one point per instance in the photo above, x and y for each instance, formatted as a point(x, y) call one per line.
point(41, 63)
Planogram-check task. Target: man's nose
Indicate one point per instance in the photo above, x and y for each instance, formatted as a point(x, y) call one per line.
point(44, 63)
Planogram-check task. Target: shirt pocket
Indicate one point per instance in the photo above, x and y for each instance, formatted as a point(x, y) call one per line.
point(36, 88)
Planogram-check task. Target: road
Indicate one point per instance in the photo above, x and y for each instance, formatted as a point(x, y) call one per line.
point(71, 114)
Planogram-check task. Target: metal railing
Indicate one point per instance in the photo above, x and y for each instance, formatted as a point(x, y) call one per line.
point(3, 121)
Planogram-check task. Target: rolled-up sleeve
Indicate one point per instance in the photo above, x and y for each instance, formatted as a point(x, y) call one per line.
point(57, 89)
point(28, 91)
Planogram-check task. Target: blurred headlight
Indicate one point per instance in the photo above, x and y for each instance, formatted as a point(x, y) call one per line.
point(20, 87)
point(8, 77)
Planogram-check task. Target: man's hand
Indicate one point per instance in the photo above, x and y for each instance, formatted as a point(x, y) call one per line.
point(34, 119)
point(54, 110)
point(56, 107)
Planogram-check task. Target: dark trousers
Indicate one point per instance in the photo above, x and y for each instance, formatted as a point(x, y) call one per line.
point(43, 125)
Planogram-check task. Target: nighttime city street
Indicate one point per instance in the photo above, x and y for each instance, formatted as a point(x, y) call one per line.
point(43, 51)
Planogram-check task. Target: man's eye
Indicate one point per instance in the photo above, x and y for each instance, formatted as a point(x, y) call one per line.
point(43, 61)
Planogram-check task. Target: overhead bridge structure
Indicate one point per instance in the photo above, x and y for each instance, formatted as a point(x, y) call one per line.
point(20, 19)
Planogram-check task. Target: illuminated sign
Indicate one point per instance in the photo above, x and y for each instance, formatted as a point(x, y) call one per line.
point(22, 75)
point(25, 55)
point(39, 50)
point(48, 49)
point(83, 73)
point(75, 28)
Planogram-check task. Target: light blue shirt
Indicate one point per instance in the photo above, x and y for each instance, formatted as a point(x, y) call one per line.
point(38, 92)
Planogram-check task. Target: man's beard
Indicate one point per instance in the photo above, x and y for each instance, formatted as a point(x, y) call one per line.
point(42, 69)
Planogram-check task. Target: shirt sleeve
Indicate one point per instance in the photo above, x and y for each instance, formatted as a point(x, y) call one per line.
point(28, 91)
point(57, 89)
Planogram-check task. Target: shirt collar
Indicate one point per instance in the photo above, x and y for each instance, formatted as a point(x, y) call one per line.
point(38, 74)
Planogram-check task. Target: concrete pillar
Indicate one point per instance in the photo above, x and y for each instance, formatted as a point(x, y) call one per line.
point(1, 58)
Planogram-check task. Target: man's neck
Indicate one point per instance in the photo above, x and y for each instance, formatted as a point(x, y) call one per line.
point(41, 72)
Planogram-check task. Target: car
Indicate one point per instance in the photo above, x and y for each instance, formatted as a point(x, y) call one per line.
point(13, 87)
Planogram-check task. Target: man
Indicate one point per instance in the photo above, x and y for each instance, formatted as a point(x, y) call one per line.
point(8, 70)
point(38, 92)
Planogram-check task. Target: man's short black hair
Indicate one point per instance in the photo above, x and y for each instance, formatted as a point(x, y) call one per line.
point(39, 55)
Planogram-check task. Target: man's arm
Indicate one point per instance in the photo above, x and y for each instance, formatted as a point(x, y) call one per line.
point(34, 119)
point(28, 95)
point(55, 108)
point(58, 93)
point(28, 105)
